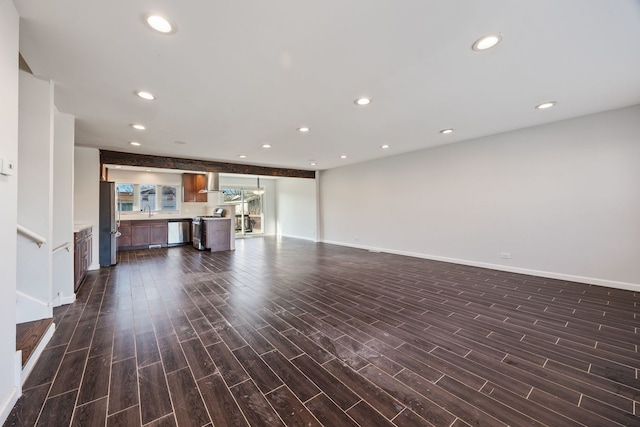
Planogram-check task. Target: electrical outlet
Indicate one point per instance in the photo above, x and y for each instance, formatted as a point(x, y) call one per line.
point(505, 255)
point(7, 167)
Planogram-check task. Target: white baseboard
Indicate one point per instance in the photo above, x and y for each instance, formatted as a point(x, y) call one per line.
point(291, 236)
point(63, 300)
point(68, 299)
point(540, 273)
point(26, 370)
point(16, 390)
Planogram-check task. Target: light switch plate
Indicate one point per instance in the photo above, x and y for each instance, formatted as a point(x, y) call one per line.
point(7, 167)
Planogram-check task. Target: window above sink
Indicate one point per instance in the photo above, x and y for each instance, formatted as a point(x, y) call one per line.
point(147, 197)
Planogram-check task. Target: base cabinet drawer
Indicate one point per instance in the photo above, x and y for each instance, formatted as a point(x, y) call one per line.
point(82, 247)
point(141, 234)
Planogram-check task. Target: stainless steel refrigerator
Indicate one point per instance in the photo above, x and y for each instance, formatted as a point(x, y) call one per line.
point(108, 224)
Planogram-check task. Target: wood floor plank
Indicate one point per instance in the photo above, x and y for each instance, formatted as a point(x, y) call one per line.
point(286, 331)
point(222, 407)
point(254, 405)
point(171, 353)
point(57, 411)
point(26, 410)
point(95, 381)
point(45, 370)
point(259, 372)
point(197, 358)
point(154, 393)
point(329, 384)
point(301, 386)
point(187, 402)
point(123, 390)
point(128, 417)
point(328, 413)
point(92, 414)
point(70, 372)
point(290, 409)
point(227, 364)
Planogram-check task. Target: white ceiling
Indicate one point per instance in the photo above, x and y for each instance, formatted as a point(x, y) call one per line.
point(238, 74)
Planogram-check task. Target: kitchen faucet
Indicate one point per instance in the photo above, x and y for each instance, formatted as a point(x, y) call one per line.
point(145, 208)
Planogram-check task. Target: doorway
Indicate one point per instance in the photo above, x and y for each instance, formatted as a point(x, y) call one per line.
point(248, 202)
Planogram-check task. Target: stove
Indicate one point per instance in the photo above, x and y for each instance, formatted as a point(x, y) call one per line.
point(197, 232)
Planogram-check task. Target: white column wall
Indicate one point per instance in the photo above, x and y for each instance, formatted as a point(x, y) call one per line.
point(86, 193)
point(35, 197)
point(63, 276)
point(10, 364)
point(563, 199)
point(296, 208)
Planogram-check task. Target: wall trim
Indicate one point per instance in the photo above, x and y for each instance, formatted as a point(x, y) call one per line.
point(16, 390)
point(540, 273)
point(291, 236)
point(63, 300)
point(36, 353)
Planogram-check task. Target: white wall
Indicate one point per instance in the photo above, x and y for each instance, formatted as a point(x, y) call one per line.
point(142, 177)
point(35, 197)
point(86, 188)
point(63, 277)
point(296, 208)
point(9, 372)
point(562, 198)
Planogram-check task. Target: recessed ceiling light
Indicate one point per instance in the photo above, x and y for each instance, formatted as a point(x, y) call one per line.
point(362, 101)
point(385, 146)
point(344, 156)
point(446, 131)
point(313, 164)
point(486, 42)
point(242, 156)
point(266, 145)
point(303, 129)
point(545, 105)
point(145, 95)
point(138, 126)
point(161, 24)
point(137, 144)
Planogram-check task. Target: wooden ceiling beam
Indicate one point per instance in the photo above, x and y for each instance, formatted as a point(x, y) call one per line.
point(149, 161)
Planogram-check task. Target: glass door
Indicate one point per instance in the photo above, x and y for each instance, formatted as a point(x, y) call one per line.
point(249, 218)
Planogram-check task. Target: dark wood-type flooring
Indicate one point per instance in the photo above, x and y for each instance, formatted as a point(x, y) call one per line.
point(29, 335)
point(288, 332)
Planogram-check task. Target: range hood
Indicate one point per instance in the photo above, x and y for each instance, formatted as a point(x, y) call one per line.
point(213, 183)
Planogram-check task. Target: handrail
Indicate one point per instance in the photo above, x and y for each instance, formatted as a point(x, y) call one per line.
point(29, 297)
point(33, 236)
point(65, 245)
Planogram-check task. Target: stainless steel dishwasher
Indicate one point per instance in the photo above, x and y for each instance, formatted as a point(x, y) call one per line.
point(179, 232)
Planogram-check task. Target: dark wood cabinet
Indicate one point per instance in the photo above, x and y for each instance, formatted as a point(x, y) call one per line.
point(217, 234)
point(158, 233)
point(82, 251)
point(124, 241)
point(192, 183)
point(142, 233)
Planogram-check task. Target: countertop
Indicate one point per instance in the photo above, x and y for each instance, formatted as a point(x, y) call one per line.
point(80, 226)
point(214, 219)
point(146, 217)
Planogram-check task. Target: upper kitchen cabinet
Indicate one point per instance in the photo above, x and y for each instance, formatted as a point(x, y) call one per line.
point(192, 183)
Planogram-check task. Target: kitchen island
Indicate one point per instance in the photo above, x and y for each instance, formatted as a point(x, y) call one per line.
point(219, 234)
